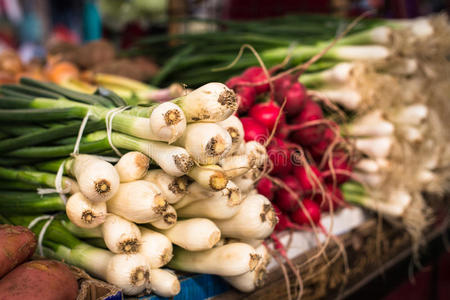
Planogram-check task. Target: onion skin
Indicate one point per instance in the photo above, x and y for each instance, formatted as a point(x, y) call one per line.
point(17, 244)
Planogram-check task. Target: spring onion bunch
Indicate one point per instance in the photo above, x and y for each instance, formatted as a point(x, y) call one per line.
point(397, 120)
point(126, 177)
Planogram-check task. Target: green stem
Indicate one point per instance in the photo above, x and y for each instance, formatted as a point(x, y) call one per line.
point(96, 242)
point(17, 185)
point(14, 130)
point(16, 161)
point(352, 187)
point(29, 91)
point(70, 94)
point(4, 220)
point(169, 65)
point(29, 203)
point(81, 232)
point(55, 233)
point(311, 79)
point(46, 135)
point(32, 177)
point(60, 151)
point(122, 122)
point(46, 114)
point(50, 166)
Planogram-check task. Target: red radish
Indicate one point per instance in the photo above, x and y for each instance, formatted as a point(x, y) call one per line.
point(266, 113)
point(254, 131)
point(255, 75)
point(295, 97)
point(246, 94)
point(278, 245)
point(236, 81)
point(334, 194)
point(285, 200)
point(283, 220)
point(281, 85)
point(300, 217)
point(280, 155)
point(282, 129)
point(311, 108)
point(341, 167)
point(318, 150)
point(266, 188)
point(308, 135)
point(308, 182)
point(289, 89)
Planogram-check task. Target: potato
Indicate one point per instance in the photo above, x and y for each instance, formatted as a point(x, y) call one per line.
point(17, 244)
point(39, 280)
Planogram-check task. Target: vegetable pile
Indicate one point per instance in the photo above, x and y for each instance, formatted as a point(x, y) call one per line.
point(304, 148)
point(383, 117)
point(190, 57)
point(185, 158)
point(397, 112)
point(122, 178)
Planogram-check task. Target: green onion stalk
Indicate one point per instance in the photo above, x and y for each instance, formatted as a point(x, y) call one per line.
point(36, 178)
point(174, 160)
point(299, 37)
point(162, 122)
point(46, 109)
point(393, 205)
point(135, 92)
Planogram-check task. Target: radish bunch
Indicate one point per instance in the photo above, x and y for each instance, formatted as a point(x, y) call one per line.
point(308, 159)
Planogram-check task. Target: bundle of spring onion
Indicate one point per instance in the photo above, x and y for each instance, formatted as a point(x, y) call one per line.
point(398, 111)
point(184, 158)
point(190, 57)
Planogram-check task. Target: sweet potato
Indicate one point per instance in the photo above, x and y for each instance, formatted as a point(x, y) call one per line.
point(39, 280)
point(17, 244)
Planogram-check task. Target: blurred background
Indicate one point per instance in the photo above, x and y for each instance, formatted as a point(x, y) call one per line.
point(34, 27)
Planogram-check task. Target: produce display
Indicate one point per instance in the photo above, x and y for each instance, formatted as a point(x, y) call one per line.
point(206, 168)
point(184, 158)
point(370, 109)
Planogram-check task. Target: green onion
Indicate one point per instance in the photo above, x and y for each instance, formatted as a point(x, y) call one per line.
point(37, 178)
point(228, 260)
point(30, 202)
